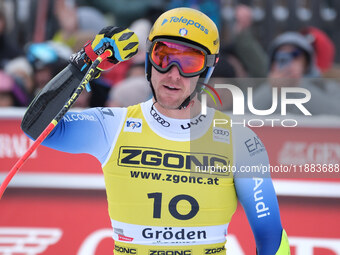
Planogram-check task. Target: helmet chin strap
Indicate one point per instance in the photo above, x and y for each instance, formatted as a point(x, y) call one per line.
point(198, 88)
point(187, 100)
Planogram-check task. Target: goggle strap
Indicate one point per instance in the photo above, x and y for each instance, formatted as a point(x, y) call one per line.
point(187, 100)
point(148, 46)
point(211, 59)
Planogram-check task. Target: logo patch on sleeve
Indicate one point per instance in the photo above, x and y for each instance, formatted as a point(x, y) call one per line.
point(133, 125)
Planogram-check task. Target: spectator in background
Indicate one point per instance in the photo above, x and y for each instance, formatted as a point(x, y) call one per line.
point(22, 72)
point(124, 12)
point(291, 50)
point(67, 19)
point(240, 54)
point(323, 47)
point(90, 19)
point(210, 7)
point(77, 25)
point(229, 55)
point(11, 94)
point(240, 57)
point(247, 49)
point(47, 59)
point(132, 90)
point(292, 63)
point(9, 48)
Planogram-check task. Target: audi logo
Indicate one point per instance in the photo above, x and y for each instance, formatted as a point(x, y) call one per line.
point(158, 118)
point(221, 132)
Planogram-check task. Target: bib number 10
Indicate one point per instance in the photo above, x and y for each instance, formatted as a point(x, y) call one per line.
point(157, 205)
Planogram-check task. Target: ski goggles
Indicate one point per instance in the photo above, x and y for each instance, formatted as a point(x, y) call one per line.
point(284, 58)
point(190, 60)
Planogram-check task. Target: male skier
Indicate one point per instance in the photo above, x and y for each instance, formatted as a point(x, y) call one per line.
point(157, 157)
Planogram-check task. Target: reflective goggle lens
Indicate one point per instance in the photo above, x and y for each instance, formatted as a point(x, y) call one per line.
point(188, 59)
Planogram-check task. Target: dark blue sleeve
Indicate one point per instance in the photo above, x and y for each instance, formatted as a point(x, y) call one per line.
point(256, 193)
point(262, 212)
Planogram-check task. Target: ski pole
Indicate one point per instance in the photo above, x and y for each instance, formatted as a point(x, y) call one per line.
point(88, 76)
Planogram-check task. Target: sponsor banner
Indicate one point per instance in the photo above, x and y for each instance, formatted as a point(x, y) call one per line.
point(14, 143)
point(301, 152)
point(53, 222)
point(131, 233)
point(307, 152)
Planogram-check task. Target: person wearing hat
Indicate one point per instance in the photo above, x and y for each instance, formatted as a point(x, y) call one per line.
point(167, 168)
point(11, 93)
point(292, 64)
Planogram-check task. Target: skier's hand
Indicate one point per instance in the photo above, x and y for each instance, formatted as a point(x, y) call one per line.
point(122, 42)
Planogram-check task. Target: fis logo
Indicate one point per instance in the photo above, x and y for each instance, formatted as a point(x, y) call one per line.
point(133, 125)
point(210, 94)
point(187, 22)
point(183, 32)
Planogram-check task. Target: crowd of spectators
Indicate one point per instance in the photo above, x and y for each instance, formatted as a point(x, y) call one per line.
point(300, 58)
